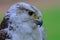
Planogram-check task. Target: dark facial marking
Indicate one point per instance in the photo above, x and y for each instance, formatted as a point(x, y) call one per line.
point(10, 28)
point(4, 23)
point(3, 34)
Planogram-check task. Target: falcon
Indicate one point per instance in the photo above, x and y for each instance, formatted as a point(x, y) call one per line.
point(22, 21)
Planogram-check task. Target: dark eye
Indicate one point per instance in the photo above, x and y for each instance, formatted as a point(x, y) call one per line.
point(30, 13)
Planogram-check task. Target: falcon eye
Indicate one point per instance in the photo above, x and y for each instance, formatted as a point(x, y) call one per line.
point(30, 13)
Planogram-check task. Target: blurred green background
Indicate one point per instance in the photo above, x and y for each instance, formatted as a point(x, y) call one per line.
point(51, 14)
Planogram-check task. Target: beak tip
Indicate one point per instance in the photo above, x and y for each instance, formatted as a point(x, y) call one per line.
point(40, 22)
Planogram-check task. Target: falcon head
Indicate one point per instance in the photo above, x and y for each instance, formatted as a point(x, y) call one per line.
point(21, 18)
point(20, 13)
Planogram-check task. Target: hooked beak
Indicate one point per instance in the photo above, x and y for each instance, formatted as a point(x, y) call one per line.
point(39, 22)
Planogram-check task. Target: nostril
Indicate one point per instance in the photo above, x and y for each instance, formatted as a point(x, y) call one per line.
point(38, 17)
point(40, 22)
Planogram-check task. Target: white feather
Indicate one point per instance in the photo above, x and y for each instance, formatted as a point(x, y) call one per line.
point(23, 25)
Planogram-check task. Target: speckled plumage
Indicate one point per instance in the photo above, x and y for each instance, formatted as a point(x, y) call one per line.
point(21, 25)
